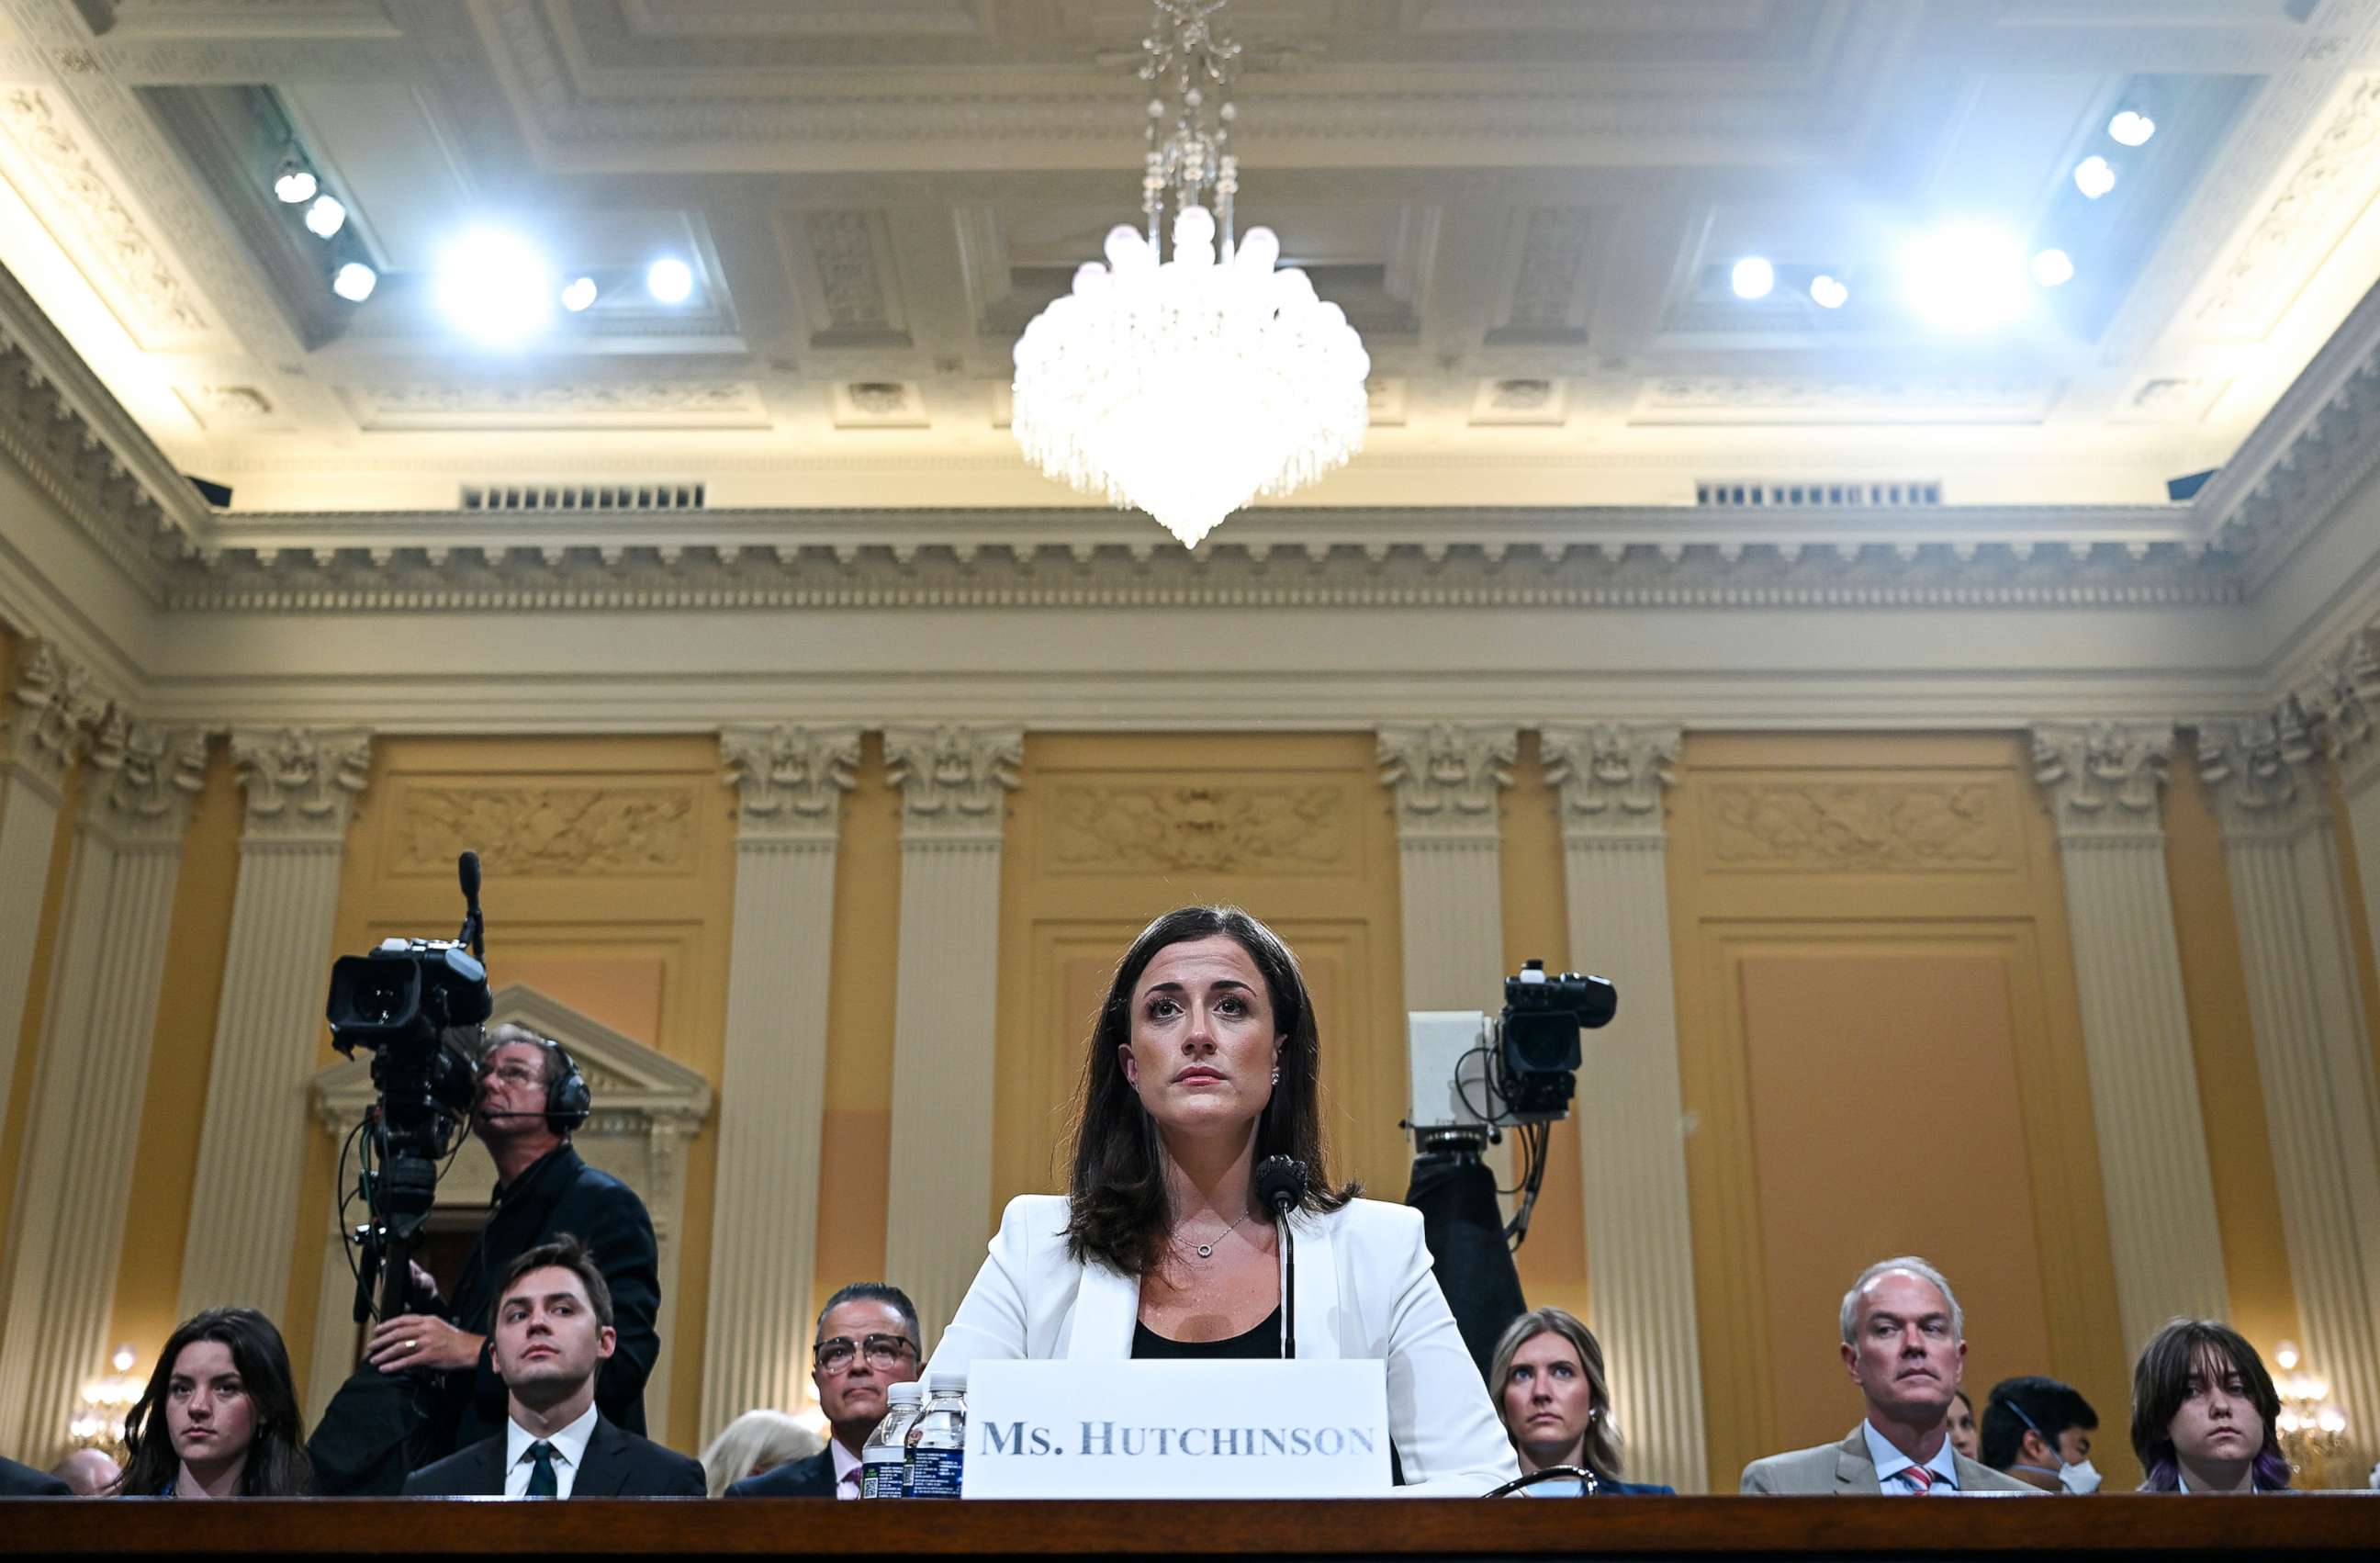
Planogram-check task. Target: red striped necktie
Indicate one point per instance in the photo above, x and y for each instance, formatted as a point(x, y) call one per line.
point(1921, 1479)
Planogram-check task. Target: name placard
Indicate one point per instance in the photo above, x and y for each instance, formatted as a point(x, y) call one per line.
point(1186, 1430)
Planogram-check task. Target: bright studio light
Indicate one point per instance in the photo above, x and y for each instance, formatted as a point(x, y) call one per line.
point(494, 287)
point(578, 293)
point(2095, 177)
point(1753, 278)
point(1966, 277)
point(294, 183)
point(2131, 128)
point(354, 282)
point(1828, 293)
point(326, 216)
point(670, 280)
point(2053, 268)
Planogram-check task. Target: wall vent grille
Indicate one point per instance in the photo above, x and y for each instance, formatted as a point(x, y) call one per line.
point(583, 496)
point(1813, 495)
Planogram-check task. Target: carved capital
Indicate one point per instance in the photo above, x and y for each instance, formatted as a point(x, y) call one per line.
point(954, 780)
point(2340, 700)
point(1446, 776)
point(789, 781)
point(301, 784)
point(1611, 776)
point(51, 713)
point(2261, 772)
point(145, 780)
point(2104, 779)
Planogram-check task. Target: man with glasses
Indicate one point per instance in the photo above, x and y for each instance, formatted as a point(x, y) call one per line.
point(867, 1342)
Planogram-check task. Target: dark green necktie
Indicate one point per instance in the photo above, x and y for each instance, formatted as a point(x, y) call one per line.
point(542, 1484)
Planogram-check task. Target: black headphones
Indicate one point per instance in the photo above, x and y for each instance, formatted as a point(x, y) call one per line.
point(567, 1100)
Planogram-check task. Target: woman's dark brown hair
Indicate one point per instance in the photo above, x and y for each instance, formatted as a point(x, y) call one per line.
point(278, 1467)
point(2207, 1350)
point(1118, 1213)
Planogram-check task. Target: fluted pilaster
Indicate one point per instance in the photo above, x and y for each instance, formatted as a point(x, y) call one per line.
point(2313, 1056)
point(1447, 780)
point(51, 713)
point(1630, 1105)
point(790, 783)
point(74, 1183)
point(954, 783)
point(300, 790)
point(2104, 784)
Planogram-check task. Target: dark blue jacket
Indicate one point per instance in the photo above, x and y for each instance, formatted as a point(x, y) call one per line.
point(811, 1478)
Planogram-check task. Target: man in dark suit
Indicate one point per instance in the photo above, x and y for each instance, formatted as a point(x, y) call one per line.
point(553, 1332)
point(24, 1481)
point(866, 1341)
point(430, 1384)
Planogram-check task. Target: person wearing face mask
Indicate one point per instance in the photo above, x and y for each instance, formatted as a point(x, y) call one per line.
point(1555, 1403)
point(219, 1418)
point(1205, 1060)
point(2206, 1416)
point(2038, 1431)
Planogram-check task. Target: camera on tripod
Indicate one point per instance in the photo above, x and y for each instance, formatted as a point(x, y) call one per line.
point(1473, 1075)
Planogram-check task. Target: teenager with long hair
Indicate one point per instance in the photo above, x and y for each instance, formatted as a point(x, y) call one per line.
point(220, 1418)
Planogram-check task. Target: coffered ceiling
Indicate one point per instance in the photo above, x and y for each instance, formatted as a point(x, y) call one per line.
point(1528, 207)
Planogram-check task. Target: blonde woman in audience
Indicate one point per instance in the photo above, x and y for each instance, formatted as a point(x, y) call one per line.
point(1555, 1403)
point(753, 1443)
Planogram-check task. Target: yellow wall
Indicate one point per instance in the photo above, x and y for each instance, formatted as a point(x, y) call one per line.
point(1881, 1054)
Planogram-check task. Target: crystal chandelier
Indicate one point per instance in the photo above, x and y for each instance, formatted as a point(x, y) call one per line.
point(1189, 387)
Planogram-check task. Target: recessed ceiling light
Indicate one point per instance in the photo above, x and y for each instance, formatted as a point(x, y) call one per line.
point(1753, 278)
point(2131, 127)
point(494, 285)
point(1829, 293)
point(2053, 268)
point(670, 280)
point(2095, 177)
point(1966, 277)
point(578, 293)
point(294, 183)
point(354, 282)
point(326, 216)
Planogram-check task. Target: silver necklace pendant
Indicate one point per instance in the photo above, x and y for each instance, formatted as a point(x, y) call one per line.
point(1206, 1251)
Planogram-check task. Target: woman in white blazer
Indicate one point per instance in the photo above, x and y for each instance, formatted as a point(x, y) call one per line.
point(1205, 1060)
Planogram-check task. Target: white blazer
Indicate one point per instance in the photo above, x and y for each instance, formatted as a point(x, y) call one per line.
point(1364, 1289)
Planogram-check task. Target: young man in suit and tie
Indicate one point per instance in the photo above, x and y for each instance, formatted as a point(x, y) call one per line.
point(1905, 1345)
point(552, 1331)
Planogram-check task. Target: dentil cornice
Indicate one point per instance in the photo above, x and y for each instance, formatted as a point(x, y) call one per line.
point(954, 780)
point(2104, 779)
point(300, 783)
point(790, 780)
point(1610, 776)
point(1446, 777)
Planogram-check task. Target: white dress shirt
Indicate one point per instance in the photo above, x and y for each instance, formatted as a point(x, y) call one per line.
point(846, 1468)
point(1364, 1289)
point(1890, 1462)
point(569, 1454)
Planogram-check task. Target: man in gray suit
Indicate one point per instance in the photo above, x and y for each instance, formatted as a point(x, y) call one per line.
point(1905, 1345)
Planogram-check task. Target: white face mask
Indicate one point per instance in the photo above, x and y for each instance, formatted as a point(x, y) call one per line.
point(2081, 1479)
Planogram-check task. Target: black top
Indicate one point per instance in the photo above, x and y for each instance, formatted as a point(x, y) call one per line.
point(811, 1478)
point(1264, 1341)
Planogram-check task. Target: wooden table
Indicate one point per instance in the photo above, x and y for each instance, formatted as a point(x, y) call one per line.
point(2105, 1527)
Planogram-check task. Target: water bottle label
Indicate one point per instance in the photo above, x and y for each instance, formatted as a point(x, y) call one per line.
point(880, 1479)
point(936, 1474)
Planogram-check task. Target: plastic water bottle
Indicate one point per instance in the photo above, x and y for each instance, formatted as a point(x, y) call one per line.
point(938, 1438)
point(882, 1458)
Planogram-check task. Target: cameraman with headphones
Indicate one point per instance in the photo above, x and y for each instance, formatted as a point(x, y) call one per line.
point(531, 1095)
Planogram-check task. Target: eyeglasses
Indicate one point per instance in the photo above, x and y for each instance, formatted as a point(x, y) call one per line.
point(883, 1351)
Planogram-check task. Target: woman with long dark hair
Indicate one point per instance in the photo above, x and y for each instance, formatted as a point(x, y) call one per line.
point(2206, 1416)
point(219, 1419)
point(1204, 1062)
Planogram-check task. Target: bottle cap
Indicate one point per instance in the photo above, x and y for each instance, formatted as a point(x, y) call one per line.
point(908, 1393)
point(939, 1379)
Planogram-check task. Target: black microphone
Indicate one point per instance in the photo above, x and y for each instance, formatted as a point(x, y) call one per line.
point(1281, 1184)
point(475, 927)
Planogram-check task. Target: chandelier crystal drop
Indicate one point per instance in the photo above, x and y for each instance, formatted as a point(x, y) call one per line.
point(1191, 385)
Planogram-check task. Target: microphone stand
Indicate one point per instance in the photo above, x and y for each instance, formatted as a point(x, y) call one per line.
point(1288, 1281)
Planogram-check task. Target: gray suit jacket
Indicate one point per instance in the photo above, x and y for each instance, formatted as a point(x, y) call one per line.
point(1844, 1469)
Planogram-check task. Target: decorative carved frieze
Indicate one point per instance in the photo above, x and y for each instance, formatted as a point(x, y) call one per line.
point(146, 779)
point(954, 780)
point(2102, 778)
point(789, 780)
point(2313, 208)
point(2261, 770)
point(1610, 776)
point(554, 831)
point(51, 713)
point(1446, 776)
point(300, 783)
point(1864, 827)
point(1217, 829)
